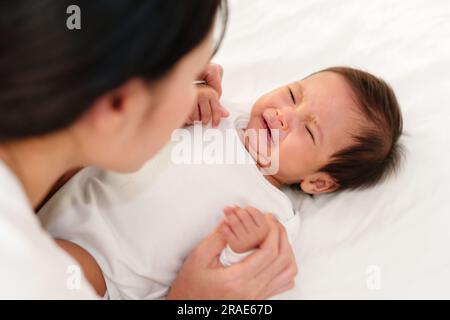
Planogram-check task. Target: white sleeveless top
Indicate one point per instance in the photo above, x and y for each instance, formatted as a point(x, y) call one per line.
point(31, 265)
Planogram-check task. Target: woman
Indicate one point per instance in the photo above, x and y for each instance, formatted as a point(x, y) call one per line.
point(107, 95)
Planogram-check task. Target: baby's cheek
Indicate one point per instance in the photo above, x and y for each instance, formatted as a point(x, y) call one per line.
point(256, 110)
point(296, 158)
point(262, 104)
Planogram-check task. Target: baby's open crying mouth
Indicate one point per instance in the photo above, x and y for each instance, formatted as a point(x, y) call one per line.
point(266, 127)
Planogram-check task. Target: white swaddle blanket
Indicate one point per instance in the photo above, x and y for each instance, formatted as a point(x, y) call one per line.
point(140, 227)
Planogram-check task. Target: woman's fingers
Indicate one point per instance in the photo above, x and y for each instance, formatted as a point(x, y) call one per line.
point(285, 280)
point(280, 290)
point(207, 251)
point(283, 270)
point(282, 280)
point(271, 269)
point(268, 271)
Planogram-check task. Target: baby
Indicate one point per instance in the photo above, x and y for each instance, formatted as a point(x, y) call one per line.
point(336, 129)
point(339, 129)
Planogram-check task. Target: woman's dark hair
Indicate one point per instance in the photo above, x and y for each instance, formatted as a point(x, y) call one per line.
point(50, 75)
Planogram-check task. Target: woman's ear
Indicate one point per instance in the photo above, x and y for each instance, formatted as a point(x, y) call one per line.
point(112, 123)
point(318, 183)
point(115, 111)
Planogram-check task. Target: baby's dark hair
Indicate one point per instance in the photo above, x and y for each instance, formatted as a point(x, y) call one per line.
point(377, 151)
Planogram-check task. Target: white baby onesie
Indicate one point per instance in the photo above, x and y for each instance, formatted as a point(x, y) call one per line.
point(140, 227)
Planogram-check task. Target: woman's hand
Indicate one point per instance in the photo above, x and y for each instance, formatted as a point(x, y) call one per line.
point(207, 106)
point(268, 271)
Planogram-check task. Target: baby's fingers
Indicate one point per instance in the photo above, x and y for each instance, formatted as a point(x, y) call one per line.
point(246, 219)
point(236, 225)
point(227, 233)
point(218, 112)
point(258, 217)
point(205, 111)
point(225, 112)
point(195, 115)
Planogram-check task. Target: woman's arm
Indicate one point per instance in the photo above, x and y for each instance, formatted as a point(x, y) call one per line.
point(90, 268)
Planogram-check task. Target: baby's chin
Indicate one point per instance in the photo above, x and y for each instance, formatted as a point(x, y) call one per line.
point(274, 181)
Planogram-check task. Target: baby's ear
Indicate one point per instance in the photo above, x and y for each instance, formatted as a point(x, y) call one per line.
point(318, 183)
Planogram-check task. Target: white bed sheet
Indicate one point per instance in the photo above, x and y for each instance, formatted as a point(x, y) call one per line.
point(392, 241)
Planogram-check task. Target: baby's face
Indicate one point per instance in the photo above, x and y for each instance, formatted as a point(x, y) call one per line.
point(316, 118)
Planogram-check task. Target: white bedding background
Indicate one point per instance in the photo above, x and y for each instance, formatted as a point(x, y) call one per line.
point(391, 241)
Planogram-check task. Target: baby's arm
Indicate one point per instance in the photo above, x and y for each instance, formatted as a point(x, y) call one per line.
point(244, 229)
point(90, 268)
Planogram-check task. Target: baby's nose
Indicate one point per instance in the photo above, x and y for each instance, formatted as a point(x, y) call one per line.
point(278, 119)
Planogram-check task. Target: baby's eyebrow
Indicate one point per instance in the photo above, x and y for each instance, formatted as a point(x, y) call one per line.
point(295, 90)
point(299, 87)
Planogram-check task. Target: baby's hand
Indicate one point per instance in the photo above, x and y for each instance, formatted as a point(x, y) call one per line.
point(207, 107)
point(244, 229)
